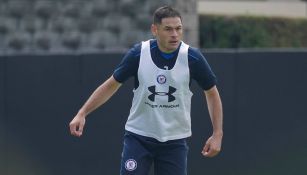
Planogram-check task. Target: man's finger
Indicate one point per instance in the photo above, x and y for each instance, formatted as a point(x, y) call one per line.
point(72, 128)
point(80, 129)
point(205, 149)
point(212, 152)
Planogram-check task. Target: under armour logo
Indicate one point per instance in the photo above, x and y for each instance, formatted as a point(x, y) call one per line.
point(171, 90)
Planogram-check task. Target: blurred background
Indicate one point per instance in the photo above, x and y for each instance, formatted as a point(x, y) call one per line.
point(45, 26)
point(54, 53)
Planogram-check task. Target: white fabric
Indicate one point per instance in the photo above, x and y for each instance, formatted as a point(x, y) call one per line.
point(160, 111)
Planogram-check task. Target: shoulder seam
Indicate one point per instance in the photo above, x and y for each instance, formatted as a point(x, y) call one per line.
point(194, 50)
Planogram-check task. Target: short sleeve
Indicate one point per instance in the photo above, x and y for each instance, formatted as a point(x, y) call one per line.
point(129, 65)
point(200, 70)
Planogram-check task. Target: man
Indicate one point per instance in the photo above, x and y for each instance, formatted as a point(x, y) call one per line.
point(159, 120)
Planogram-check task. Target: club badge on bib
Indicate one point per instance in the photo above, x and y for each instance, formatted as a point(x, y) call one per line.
point(161, 79)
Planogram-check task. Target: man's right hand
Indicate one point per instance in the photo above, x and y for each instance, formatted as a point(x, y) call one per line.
point(98, 97)
point(76, 125)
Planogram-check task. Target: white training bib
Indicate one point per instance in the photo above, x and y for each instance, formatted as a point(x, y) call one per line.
point(162, 102)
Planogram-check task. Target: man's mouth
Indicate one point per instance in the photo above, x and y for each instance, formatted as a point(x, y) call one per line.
point(173, 42)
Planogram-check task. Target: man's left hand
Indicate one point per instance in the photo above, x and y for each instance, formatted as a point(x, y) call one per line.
point(212, 146)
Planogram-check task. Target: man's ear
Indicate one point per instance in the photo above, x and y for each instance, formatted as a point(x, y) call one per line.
point(154, 30)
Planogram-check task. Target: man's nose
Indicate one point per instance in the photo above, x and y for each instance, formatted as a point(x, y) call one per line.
point(174, 33)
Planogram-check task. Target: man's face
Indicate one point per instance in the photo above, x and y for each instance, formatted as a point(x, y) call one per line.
point(168, 33)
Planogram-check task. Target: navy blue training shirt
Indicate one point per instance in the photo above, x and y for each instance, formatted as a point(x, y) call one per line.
point(200, 70)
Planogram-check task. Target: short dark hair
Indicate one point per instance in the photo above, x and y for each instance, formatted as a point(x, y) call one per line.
point(165, 12)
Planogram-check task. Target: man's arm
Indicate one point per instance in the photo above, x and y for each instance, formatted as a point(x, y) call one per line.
point(213, 144)
point(99, 97)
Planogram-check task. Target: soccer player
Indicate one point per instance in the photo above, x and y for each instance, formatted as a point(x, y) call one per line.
point(159, 121)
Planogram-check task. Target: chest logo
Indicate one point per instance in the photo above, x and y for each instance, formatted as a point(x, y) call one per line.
point(153, 94)
point(161, 79)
